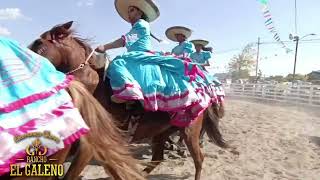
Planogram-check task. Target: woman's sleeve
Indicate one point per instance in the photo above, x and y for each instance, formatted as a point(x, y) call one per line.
point(140, 29)
point(207, 55)
point(188, 48)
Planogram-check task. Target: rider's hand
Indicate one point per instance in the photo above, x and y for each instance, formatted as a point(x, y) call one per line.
point(100, 49)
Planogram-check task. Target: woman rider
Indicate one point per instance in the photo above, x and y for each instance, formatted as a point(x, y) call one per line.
point(202, 54)
point(162, 83)
point(180, 34)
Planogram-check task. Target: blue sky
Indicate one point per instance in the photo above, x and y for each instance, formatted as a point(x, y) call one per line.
point(228, 25)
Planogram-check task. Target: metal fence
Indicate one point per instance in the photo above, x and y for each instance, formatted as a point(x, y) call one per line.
point(298, 94)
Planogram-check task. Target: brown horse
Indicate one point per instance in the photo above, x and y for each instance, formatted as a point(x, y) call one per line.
point(108, 148)
point(67, 52)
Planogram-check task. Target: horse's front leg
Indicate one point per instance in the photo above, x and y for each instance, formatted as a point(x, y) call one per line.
point(191, 137)
point(158, 149)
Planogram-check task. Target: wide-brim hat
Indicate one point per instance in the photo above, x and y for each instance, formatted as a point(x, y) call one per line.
point(172, 31)
point(148, 7)
point(200, 41)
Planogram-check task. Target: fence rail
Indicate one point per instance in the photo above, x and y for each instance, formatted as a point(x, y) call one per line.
point(299, 94)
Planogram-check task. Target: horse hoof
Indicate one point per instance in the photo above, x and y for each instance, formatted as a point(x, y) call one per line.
point(167, 146)
point(174, 147)
point(145, 173)
point(182, 153)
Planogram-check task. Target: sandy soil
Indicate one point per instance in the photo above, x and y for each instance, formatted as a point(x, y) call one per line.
point(274, 142)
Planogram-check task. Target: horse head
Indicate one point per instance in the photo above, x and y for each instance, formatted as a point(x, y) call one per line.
point(67, 53)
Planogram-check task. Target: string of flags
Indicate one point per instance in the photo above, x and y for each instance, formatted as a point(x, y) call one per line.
point(270, 25)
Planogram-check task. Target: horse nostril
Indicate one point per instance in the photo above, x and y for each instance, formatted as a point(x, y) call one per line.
point(37, 42)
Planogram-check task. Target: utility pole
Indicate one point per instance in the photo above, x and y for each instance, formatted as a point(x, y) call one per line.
point(257, 61)
point(296, 38)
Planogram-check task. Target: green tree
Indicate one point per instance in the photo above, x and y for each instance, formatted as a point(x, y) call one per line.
point(277, 78)
point(241, 64)
point(300, 77)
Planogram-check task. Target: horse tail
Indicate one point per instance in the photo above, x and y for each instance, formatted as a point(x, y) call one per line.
point(109, 146)
point(221, 110)
point(211, 125)
point(218, 109)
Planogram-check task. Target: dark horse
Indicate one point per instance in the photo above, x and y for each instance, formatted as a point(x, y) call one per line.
point(67, 52)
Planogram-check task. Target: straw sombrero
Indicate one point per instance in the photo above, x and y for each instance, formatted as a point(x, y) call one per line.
point(200, 41)
point(172, 31)
point(148, 7)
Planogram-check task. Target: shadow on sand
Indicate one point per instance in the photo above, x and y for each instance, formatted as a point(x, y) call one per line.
point(315, 140)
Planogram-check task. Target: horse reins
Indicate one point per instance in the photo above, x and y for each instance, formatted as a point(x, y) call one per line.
point(82, 64)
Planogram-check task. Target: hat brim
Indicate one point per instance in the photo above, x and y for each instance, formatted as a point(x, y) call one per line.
point(200, 41)
point(172, 31)
point(148, 7)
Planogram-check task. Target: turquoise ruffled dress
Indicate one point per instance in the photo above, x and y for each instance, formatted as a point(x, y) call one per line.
point(33, 99)
point(201, 57)
point(185, 48)
point(163, 83)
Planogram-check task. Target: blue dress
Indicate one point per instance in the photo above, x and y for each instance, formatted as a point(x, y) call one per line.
point(33, 99)
point(163, 83)
point(201, 58)
point(185, 48)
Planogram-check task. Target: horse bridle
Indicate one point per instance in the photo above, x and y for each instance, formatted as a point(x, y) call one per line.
point(82, 65)
point(86, 62)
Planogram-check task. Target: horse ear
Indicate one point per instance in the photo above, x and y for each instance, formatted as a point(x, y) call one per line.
point(67, 25)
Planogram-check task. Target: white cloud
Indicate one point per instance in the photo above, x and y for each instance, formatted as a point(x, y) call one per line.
point(4, 31)
point(12, 14)
point(85, 3)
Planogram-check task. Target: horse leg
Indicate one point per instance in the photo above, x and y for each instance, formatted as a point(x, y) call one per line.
point(81, 158)
point(151, 124)
point(158, 149)
point(191, 137)
point(202, 132)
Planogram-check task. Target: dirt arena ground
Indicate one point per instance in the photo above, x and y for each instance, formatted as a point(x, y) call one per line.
point(274, 142)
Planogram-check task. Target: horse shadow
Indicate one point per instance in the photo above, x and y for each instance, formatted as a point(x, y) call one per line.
point(315, 140)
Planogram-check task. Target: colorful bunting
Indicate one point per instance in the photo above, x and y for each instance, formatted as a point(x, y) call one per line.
point(269, 23)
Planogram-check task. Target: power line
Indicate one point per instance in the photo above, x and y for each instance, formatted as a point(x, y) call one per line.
point(273, 42)
point(307, 41)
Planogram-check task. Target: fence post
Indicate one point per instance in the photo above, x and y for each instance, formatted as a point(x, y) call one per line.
point(243, 85)
point(311, 95)
point(298, 98)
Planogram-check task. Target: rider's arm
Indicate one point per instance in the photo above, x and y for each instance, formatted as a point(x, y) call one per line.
point(207, 55)
point(115, 44)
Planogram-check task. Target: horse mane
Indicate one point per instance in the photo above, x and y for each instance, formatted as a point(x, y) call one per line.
point(83, 42)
